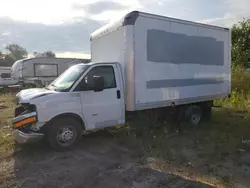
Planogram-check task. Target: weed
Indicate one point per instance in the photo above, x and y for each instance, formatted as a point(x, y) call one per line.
point(6, 113)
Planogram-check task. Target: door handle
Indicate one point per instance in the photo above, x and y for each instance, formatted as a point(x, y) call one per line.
point(118, 93)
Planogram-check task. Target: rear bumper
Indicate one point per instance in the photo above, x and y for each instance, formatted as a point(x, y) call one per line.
point(23, 138)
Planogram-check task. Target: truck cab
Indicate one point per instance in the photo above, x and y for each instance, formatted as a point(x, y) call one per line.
point(85, 97)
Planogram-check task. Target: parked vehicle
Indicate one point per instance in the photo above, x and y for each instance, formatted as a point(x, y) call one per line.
point(5, 77)
point(40, 71)
point(141, 62)
point(248, 70)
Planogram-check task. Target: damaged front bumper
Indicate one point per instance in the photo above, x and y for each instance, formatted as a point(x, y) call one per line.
point(22, 126)
point(23, 138)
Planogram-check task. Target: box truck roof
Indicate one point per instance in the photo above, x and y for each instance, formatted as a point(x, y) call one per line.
point(131, 17)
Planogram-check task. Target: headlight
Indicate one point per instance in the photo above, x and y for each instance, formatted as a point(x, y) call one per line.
point(25, 119)
point(25, 122)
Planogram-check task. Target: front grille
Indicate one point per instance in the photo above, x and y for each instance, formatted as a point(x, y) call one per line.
point(19, 110)
point(24, 108)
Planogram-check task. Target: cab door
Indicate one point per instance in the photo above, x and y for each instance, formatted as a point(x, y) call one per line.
point(102, 108)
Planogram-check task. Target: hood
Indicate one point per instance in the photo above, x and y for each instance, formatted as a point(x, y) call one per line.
point(24, 96)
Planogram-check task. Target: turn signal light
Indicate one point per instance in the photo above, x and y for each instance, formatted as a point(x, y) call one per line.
point(24, 122)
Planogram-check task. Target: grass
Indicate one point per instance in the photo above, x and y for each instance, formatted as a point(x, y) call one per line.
point(238, 102)
point(198, 153)
point(6, 113)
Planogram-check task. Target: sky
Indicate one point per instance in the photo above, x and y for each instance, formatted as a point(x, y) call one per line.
point(64, 26)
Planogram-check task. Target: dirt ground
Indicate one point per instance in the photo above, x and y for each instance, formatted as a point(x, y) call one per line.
point(99, 161)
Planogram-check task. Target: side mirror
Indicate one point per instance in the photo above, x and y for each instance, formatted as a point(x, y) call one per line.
point(98, 83)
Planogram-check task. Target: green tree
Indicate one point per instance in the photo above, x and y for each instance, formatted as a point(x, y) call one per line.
point(1, 56)
point(241, 43)
point(16, 52)
point(50, 54)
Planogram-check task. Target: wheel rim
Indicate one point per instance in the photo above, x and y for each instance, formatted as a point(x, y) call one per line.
point(66, 135)
point(195, 118)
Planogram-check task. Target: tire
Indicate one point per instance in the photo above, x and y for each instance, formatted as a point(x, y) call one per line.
point(193, 115)
point(207, 111)
point(64, 134)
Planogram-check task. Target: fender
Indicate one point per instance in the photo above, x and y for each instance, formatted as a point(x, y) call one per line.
point(44, 128)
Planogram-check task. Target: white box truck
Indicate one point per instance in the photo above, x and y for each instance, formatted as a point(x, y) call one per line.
point(139, 62)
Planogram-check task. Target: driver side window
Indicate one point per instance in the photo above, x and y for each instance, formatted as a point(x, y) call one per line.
point(107, 72)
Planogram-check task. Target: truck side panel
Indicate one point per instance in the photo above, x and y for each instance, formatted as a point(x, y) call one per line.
point(179, 62)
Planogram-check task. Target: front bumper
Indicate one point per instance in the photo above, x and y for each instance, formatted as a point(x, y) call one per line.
point(23, 138)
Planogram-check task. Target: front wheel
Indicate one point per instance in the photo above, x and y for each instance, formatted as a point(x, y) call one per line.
point(64, 133)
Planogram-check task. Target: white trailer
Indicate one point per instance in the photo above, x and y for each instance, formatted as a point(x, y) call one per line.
point(5, 77)
point(141, 62)
point(40, 71)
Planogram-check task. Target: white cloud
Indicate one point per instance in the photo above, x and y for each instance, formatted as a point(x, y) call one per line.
point(40, 11)
point(237, 9)
point(73, 55)
point(107, 10)
point(6, 33)
point(54, 11)
point(226, 21)
point(99, 7)
point(73, 36)
point(81, 55)
point(60, 11)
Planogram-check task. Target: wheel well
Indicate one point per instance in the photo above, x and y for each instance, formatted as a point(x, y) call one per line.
point(204, 106)
point(69, 115)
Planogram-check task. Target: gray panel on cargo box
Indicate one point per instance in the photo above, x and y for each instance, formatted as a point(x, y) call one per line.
point(178, 48)
point(153, 84)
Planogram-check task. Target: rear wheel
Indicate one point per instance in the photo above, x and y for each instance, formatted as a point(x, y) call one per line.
point(64, 133)
point(207, 111)
point(193, 114)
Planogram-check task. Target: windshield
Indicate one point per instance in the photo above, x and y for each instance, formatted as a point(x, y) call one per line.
point(68, 77)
